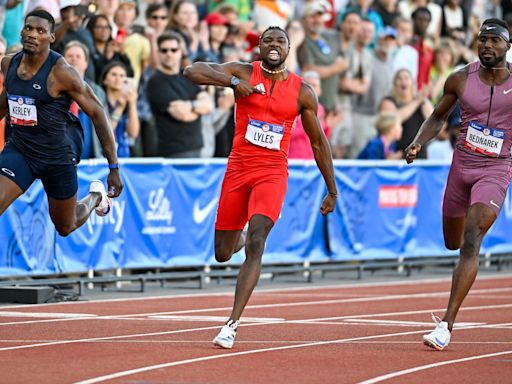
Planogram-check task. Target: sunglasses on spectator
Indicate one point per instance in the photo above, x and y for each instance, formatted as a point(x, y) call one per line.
point(165, 50)
point(156, 17)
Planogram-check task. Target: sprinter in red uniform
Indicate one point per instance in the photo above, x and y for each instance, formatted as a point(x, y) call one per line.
point(268, 99)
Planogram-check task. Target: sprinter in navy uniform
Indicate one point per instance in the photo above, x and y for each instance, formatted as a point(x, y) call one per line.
point(46, 139)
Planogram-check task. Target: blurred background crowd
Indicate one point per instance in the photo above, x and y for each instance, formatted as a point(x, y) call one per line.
point(378, 67)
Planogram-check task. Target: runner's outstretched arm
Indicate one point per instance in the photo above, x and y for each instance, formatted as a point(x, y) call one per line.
point(308, 111)
point(434, 123)
point(78, 90)
point(221, 74)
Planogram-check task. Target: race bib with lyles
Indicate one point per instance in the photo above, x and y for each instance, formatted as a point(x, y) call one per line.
point(264, 134)
point(484, 140)
point(22, 110)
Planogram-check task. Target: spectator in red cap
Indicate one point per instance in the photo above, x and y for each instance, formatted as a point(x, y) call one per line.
point(241, 35)
point(219, 28)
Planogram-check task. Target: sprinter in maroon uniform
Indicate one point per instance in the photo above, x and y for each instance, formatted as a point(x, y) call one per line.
point(481, 169)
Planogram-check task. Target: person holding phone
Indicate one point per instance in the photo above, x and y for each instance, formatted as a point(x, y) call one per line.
point(122, 106)
point(71, 28)
point(106, 49)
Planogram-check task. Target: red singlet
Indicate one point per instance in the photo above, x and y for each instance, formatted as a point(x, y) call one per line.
point(257, 171)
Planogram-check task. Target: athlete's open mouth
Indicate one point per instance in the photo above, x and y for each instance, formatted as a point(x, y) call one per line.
point(273, 54)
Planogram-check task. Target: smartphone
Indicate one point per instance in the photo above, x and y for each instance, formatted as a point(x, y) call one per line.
point(81, 10)
point(121, 36)
point(127, 85)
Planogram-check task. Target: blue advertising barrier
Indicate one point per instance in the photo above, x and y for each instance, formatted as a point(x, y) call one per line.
point(165, 217)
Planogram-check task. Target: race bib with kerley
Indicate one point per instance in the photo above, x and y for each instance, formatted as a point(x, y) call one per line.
point(264, 134)
point(484, 140)
point(22, 110)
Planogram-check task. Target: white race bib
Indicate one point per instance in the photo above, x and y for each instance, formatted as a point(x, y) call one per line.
point(484, 140)
point(22, 110)
point(264, 134)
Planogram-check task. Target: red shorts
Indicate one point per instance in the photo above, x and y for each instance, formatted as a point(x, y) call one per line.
point(246, 193)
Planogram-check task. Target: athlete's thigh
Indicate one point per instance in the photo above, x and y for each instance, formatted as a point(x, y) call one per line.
point(60, 181)
point(9, 192)
point(16, 176)
point(453, 230)
point(62, 211)
point(61, 184)
point(233, 204)
point(227, 240)
point(491, 187)
point(457, 195)
point(267, 196)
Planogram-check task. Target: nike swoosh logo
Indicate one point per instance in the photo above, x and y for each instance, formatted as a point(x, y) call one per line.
point(200, 214)
point(493, 203)
point(507, 91)
point(439, 342)
point(489, 28)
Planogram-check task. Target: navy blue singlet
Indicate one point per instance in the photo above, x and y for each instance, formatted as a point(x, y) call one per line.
point(42, 126)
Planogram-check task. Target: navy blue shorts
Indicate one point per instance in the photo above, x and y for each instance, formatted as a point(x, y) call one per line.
point(60, 181)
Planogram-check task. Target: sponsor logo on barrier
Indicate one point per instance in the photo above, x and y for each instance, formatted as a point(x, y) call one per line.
point(398, 197)
point(201, 213)
point(159, 212)
point(115, 217)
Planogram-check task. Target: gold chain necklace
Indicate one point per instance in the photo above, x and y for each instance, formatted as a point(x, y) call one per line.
point(273, 72)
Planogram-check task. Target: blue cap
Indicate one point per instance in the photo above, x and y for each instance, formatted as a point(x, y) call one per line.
point(388, 31)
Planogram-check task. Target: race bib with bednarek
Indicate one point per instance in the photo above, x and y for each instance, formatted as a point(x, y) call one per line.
point(264, 134)
point(484, 140)
point(22, 110)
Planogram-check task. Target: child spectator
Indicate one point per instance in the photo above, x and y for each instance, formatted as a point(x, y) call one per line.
point(383, 146)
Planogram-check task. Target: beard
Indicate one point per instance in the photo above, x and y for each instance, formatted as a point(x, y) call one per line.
point(491, 63)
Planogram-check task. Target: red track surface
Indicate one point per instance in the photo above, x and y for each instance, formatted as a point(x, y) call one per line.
point(353, 334)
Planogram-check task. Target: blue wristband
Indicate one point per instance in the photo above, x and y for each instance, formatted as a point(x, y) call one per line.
point(113, 166)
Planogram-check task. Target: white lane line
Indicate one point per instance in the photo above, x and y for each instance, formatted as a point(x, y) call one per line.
point(418, 312)
point(260, 342)
point(428, 366)
point(130, 372)
point(265, 290)
point(406, 323)
point(304, 321)
point(260, 306)
point(58, 315)
point(61, 342)
point(109, 338)
point(73, 341)
point(219, 319)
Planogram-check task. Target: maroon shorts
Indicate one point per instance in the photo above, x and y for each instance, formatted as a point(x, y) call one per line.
point(246, 193)
point(475, 179)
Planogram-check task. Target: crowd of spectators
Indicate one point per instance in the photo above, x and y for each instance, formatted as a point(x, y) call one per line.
point(378, 67)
